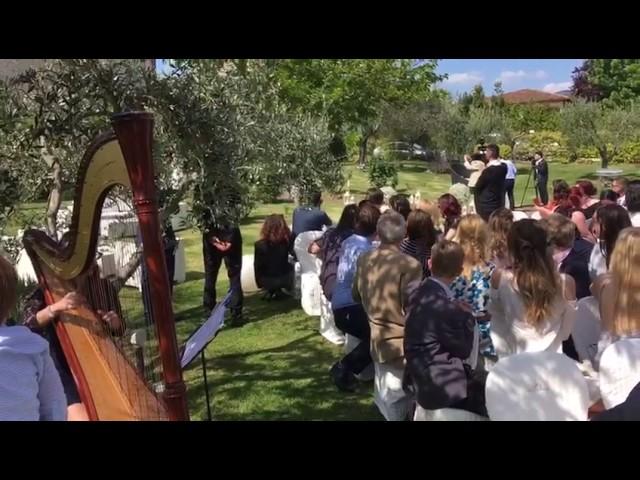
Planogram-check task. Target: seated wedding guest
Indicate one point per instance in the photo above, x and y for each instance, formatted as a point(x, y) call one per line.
point(432, 209)
point(421, 235)
point(309, 217)
point(271, 258)
point(608, 196)
point(532, 305)
point(472, 285)
point(632, 201)
point(376, 197)
point(629, 410)
point(617, 292)
point(438, 339)
point(30, 386)
point(451, 211)
point(619, 185)
point(349, 315)
point(570, 254)
point(570, 208)
point(380, 284)
point(500, 223)
point(561, 193)
point(400, 203)
point(327, 248)
point(586, 201)
point(608, 222)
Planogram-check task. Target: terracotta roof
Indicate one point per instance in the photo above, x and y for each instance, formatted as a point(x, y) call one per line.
point(534, 96)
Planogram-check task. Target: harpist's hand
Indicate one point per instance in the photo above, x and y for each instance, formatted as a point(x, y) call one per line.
point(70, 301)
point(112, 320)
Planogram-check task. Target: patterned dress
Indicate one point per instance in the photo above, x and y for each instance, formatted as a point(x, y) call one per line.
point(475, 291)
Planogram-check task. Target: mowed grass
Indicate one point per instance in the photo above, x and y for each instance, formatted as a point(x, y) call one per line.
point(275, 366)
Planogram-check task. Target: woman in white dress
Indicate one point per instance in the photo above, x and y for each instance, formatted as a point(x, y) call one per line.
point(618, 292)
point(608, 222)
point(532, 306)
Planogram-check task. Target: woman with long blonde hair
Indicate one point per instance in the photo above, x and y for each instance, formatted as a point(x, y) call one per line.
point(532, 305)
point(618, 292)
point(472, 286)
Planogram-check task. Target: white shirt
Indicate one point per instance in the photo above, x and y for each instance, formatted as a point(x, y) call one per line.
point(635, 219)
point(622, 201)
point(597, 262)
point(512, 334)
point(512, 171)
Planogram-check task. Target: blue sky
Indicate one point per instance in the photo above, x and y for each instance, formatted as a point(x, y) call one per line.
point(549, 75)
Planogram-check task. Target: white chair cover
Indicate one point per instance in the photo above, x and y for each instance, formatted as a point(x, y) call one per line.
point(328, 327)
point(248, 275)
point(388, 395)
point(446, 415)
point(519, 215)
point(619, 371)
point(310, 290)
point(537, 386)
point(586, 330)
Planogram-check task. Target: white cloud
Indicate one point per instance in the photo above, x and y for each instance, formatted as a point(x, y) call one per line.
point(465, 78)
point(556, 87)
point(510, 76)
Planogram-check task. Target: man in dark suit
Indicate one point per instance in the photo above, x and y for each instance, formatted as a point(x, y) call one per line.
point(439, 337)
point(218, 244)
point(541, 170)
point(489, 190)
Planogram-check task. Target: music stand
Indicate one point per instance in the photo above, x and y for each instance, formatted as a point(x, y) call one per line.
point(198, 341)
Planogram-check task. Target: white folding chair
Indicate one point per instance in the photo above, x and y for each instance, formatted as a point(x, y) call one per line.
point(446, 415)
point(619, 371)
point(519, 215)
point(328, 327)
point(248, 275)
point(586, 329)
point(536, 386)
point(310, 289)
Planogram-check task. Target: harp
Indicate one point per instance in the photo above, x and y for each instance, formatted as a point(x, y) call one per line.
point(111, 384)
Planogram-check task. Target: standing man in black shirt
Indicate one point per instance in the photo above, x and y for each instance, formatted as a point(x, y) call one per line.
point(489, 192)
point(223, 243)
point(541, 170)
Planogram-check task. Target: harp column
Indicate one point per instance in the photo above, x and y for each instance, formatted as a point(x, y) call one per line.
point(135, 135)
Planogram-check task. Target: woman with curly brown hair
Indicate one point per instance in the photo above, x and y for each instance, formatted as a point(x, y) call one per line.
point(271, 257)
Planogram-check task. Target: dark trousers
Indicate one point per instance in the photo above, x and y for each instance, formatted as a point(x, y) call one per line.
point(276, 284)
point(509, 183)
point(354, 321)
point(541, 185)
point(212, 262)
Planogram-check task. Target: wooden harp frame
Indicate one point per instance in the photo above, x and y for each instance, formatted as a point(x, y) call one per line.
point(121, 157)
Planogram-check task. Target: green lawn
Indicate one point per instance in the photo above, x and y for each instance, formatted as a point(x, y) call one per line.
point(276, 365)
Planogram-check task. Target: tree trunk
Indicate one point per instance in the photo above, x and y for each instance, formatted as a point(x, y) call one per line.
point(604, 156)
point(362, 154)
point(55, 200)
